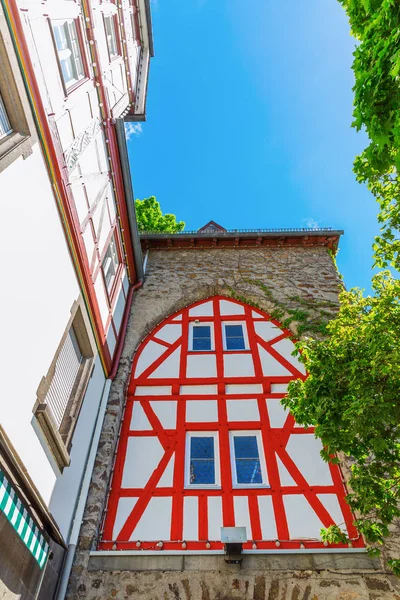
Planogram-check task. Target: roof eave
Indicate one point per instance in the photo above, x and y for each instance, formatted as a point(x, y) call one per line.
point(249, 239)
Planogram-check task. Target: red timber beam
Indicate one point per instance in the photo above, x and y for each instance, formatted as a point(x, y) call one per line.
point(59, 178)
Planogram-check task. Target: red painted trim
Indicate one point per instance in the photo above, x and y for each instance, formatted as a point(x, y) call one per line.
point(155, 423)
point(254, 517)
point(179, 475)
point(160, 341)
point(203, 517)
point(268, 491)
point(228, 512)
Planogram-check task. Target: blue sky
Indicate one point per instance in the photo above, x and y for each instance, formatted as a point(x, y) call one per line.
point(248, 121)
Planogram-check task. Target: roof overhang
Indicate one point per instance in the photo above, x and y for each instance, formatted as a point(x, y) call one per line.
point(137, 112)
point(243, 239)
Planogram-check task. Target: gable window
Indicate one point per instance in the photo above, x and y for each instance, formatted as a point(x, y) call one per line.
point(234, 337)
point(200, 337)
point(248, 465)
point(110, 263)
point(202, 460)
point(110, 26)
point(69, 51)
point(60, 393)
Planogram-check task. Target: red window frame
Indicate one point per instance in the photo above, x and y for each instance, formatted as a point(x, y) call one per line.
point(114, 21)
point(111, 293)
point(69, 89)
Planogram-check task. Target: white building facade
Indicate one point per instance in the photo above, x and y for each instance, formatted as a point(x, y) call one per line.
point(73, 72)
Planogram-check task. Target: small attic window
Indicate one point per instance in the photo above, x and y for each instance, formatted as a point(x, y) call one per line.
point(201, 337)
point(234, 336)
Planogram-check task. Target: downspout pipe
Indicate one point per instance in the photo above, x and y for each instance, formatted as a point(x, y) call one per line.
point(130, 200)
point(73, 539)
point(124, 326)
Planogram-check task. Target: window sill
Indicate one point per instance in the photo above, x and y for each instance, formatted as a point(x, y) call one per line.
point(251, 486)
point(71, 88)
point(202, 487)
point(52, 435)
point(12, 147)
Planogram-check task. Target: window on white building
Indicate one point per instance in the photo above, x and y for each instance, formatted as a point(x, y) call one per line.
point(202, 460)
point(110, 264)
point(5, 125)
point(69, 51)
point(234, 336)
point(201, 337)
point(247, 457)
point(110, 26)
point(17, 128)
point(60, 393)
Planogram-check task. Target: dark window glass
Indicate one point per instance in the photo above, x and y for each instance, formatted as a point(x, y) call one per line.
point(247, 460)
point(202, 337)
point(202, 463)
point(234, 337)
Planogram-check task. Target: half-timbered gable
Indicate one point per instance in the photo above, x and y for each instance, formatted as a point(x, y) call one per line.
point(206, 443)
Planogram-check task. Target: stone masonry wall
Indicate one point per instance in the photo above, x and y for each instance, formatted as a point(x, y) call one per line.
point(301, 284)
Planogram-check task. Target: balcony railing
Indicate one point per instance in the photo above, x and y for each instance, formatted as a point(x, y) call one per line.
point(231, 231)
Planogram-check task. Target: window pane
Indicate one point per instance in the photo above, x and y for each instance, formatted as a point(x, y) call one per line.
point(234, 337)
point(202, 464)
point(248, 468)
point(202, 337)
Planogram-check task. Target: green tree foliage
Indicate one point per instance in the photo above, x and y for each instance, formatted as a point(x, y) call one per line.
point(351, 396)
point(150, 217)
point(376, 66)
point(352, 392)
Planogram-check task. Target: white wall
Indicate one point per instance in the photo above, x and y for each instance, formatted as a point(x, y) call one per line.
point(39, 287)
